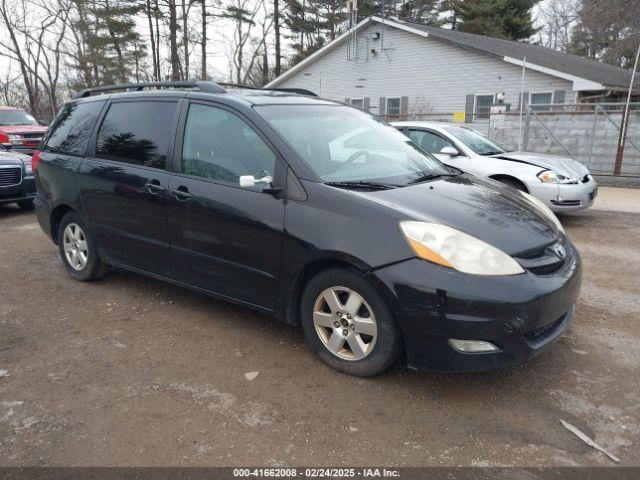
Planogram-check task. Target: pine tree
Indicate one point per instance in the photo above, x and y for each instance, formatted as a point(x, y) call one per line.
point(508, 19)
point(114, 39)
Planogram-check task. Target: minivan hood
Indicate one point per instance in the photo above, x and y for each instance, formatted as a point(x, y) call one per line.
point(559, 164)
point(485, 209)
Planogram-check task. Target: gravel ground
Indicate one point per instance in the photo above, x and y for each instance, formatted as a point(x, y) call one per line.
point(132, 371)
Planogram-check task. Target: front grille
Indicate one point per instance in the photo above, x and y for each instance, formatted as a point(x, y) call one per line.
point(545, 331)
point(10, 176)
point(32, 136)
point(547, 269)
point(566, 203)
point(546, 259)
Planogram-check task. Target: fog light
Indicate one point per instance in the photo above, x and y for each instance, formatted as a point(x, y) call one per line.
point(473, 346)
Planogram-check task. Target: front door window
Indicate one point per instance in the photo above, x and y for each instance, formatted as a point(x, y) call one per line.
point(220, 146)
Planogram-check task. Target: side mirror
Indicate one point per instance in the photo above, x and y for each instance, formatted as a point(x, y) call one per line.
point(450, 151)
point(249, 181)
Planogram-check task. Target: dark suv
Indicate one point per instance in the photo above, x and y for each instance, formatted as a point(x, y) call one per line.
point(17, 184)
point(312, 211)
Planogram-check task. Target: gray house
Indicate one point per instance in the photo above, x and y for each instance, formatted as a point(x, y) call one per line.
point(393, 68)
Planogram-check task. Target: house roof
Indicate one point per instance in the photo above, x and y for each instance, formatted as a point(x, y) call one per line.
point(603, 73)
point(584, 73)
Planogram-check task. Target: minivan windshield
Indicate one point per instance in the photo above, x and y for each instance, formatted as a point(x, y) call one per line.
point(475, 141)
point(16, 117)
point(344, 145)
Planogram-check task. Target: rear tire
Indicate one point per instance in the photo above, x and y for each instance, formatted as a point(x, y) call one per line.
point(348, 324)
point(26, 204)
point(78, 250)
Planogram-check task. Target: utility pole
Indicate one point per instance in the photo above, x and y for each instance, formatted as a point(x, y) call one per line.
point(204, 40)
point(625, 120)
point(276, 23)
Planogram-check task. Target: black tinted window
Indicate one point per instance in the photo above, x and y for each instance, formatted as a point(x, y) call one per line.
point(137, 132)
point(72, 130)
point(220, 145)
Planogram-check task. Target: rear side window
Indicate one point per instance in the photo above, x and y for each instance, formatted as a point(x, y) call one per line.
point(72, 130)
point(137, 133)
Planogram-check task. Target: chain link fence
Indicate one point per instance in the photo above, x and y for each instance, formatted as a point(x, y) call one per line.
point(587, 132)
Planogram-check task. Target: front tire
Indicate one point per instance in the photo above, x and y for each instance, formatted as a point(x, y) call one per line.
point(78, 250)
point(348, 324)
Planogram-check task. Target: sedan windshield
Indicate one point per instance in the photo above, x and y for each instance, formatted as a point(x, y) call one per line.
point(345, 146)
point(16, 117)
point(475, 141)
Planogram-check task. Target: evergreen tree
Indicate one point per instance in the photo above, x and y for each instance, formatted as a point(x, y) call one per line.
point(424, 11)
point(114, 39)
point(508, 19)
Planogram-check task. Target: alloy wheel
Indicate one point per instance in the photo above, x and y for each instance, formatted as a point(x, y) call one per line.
point(75, 246)
point(345, 323)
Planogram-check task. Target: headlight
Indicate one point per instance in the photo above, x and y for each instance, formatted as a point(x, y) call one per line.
point(27, 167)
point(15, 139)
point(451, 248)
point(546, 211)
point(549, 176)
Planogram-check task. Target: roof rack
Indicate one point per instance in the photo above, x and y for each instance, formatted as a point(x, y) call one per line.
point(299, 91)
point(238, 85)
point(209, 87)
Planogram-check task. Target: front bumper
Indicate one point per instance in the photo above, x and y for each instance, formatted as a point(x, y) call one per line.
point(561, 197)
point(520, 314)
point(25, 190)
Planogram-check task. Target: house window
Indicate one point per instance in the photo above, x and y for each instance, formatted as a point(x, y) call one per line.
point(358, 103)
point(540, 102)
point(483, 106)
point(393, 106)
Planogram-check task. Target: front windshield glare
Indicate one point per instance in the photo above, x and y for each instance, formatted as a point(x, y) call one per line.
point(475, 141)
point(342, 144)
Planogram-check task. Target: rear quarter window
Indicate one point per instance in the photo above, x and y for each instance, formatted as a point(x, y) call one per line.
point(71, 132)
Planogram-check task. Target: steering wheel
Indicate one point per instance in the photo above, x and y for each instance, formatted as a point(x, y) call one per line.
point(355, 155)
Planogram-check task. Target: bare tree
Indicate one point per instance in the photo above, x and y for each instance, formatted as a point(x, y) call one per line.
point(557, 19)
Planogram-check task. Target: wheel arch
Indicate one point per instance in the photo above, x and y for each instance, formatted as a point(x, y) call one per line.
point(56, 217)
point(293, 294)
point(503, 176)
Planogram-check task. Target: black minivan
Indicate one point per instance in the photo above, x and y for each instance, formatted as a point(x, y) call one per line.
point(309, 210)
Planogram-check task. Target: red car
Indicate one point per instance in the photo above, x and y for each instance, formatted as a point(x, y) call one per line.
point(19, 131)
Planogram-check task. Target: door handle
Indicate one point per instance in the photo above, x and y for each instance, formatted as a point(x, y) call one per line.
point(154, 187)
point(181, 193)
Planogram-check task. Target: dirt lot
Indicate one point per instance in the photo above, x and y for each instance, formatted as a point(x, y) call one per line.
point(131, 371)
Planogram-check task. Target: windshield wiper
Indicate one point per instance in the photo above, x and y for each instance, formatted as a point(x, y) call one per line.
point(491, 152)
point(431, 176)
point(362, 184)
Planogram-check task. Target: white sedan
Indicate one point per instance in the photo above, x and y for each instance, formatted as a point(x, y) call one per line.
point(560, 182)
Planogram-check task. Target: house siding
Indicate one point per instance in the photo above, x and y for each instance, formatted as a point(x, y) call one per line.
point(436, 76)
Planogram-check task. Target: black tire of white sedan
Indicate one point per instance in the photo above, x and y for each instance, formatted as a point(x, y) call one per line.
point(78, 250)
point(348, 324)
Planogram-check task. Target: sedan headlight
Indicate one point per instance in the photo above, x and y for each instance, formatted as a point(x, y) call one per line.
point(546, 211)
point(452, 248)
point(549, 176)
